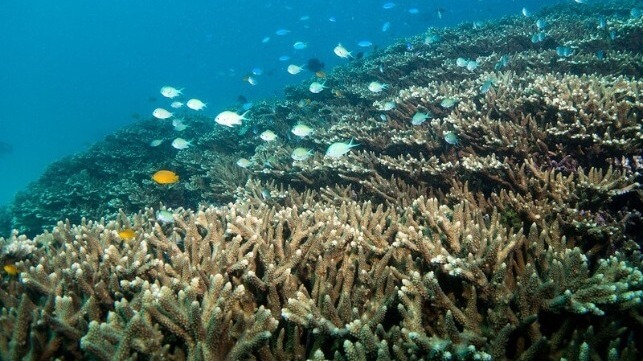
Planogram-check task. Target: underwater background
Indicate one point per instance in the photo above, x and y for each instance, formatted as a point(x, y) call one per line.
point(308, 181)
point(73, 72)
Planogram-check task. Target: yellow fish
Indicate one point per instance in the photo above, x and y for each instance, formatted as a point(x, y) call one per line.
point(11, 269)
point(127, 234)
point(165, 177)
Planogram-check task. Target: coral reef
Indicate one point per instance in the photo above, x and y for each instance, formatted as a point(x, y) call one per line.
point(338, 280)
point(506, 226)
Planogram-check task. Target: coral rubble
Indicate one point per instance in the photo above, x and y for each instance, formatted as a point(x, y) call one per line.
point(505, 226)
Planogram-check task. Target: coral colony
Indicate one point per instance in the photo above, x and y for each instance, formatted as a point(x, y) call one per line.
point(505, 225)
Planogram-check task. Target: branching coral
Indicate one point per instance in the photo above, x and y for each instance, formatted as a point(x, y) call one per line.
point(344, 279)
point(503, 226)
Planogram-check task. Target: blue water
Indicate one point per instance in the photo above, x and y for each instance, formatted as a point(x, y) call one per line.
point(72, 72)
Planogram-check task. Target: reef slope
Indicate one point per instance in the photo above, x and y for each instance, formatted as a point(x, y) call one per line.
point(505, 226)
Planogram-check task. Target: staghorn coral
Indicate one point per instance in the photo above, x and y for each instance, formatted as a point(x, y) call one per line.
point(519, 241)
point(341, 279)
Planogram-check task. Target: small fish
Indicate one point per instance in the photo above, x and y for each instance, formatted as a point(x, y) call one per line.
point(486, 86)
point(301, 130)
point(250, 79)
point(451, 138)
point(564, 51)
point(526, 12)
point(419, 118)
point(164, 216)
point(538, 37)
point(160, 113)
point(390, 105)
point(178, 125)
point(244, 163)
point(265, 40)
point(338, 149)
point(302, 103)
point(386, 26)
point(600, 54)
point(364, 44)
point(448, 102)
point(11, 269)
point(461, 62)
point(196, 104)
point(246, 106)
point(156, 142)
point(377, 87)
point(431, 39)
point(388, 5)
point(171, 92)
point(504, 61)
point(127, 234)
point(300, 45)
point(602, 22)
point(176, 105)
point(265, 194)
point(230, 119)
point(316, 87)
point(165, 177)
point(180, 144)
point(541, 24)
point(472, 65)
point(301, 154)
point(282, 32)
point(257, 71)
point(613, 34)
point(294, 69)
point(413, 11)
point(268, 136)
point(284, 58)
point(342, 52)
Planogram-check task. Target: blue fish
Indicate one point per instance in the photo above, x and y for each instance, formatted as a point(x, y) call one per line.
point(600, 55)
point(486, 86)
point(564, 51)
point(451, 138)
point(504, 61)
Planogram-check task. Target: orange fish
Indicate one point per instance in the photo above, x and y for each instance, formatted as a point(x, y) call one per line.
point(165, 177)
point(127, 234)
point(11, 269)
point(320, 74)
